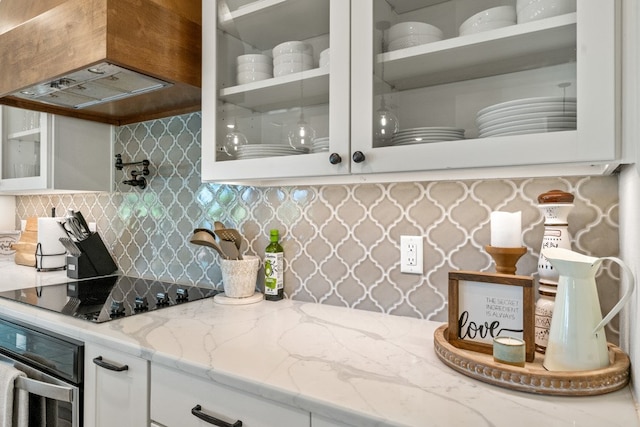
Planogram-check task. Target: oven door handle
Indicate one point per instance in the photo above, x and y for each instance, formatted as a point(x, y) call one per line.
point(50, 391)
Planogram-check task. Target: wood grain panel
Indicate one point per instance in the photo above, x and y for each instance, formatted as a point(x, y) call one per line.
point(172, 44)
point(16, 12)
point(191, 10)
point(177, 99)
point(160, 38)
point(61, 40)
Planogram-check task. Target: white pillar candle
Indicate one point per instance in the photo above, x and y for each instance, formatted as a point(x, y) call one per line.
point(506, 229)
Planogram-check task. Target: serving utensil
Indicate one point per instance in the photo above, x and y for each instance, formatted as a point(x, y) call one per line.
point(230, 235)
point(205, 237)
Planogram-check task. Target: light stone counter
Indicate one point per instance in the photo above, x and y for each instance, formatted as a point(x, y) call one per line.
point(355, 366)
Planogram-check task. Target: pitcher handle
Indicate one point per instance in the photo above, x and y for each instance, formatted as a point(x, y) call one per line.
point(632, 283)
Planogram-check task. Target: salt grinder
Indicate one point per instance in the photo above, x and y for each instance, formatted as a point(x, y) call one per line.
point(555, 205)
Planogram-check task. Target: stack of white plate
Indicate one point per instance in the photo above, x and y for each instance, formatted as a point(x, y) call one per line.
point(424, 135)
point(253, 67)
point(528, 115)
point(292, 57)
point(489, 19)
point(320, 144)
point(255, 151)
point(408, 34)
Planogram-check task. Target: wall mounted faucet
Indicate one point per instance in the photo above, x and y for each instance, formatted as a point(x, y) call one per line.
point(137, 176)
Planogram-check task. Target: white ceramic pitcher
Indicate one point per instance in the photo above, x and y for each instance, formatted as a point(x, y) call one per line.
point(577, 339)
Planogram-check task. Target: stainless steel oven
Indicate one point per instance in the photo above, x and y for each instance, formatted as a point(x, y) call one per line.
point(54, 368)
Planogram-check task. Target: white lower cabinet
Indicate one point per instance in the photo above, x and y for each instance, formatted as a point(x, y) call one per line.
point(116, 390)
point(182, 400)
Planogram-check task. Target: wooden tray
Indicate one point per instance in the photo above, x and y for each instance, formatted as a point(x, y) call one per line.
point(533, 377)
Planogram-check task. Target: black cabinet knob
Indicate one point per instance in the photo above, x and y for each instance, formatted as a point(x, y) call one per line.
point(335, 158)
point(358, 157)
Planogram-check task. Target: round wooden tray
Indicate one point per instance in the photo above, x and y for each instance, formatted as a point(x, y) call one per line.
point(533, 377)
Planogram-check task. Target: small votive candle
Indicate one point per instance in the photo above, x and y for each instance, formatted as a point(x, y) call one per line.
point(506, 229)
point(509, 350)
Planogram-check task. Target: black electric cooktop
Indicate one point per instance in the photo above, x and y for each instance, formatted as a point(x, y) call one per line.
point(107, 298)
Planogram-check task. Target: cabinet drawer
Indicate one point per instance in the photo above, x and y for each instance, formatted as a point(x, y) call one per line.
point(175, 394)
point(116, 388)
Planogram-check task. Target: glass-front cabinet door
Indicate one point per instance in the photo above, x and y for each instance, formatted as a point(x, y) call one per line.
point(23, 151)
point(277, 104)
point(446, 85)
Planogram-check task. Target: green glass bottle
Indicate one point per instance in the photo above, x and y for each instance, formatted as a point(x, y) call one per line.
point(274, 268)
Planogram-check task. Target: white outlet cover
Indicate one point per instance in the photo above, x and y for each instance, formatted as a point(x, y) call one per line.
point(411, 254)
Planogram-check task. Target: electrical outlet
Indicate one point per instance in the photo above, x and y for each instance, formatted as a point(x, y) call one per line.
point(411, 254)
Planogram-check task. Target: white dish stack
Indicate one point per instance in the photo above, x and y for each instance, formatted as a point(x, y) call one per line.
point(424, 135)
point(489, 19)
point(257, 151)
point(532, 10)
point(320, 144)
point(292, 57)
point(324, 59)
point(528, 115)
point(409, 34)
point(253, 67)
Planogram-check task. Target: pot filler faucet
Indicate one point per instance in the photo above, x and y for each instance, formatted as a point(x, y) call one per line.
point(137, 177)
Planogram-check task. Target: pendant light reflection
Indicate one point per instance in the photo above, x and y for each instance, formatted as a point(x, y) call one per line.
point(385, 123)
point(233, 139)
point(302, 134)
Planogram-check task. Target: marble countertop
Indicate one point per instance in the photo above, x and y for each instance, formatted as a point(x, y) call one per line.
point(354, 366)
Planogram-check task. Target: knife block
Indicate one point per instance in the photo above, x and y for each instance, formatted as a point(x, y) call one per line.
point(94, 259)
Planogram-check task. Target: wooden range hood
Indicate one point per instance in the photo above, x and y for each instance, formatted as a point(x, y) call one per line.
point(45, 40)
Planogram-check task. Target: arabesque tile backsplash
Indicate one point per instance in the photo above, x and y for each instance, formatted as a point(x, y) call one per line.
point(341, 241)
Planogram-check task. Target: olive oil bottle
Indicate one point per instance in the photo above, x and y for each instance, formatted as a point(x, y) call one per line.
point(274, 268)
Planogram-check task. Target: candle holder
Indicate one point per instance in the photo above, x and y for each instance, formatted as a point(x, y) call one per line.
point(509, 350)
point(505, 258)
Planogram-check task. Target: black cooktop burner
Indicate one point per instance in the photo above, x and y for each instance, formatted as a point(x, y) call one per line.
point(106, 298)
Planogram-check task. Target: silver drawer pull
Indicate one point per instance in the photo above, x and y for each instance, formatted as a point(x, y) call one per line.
point(50, 391)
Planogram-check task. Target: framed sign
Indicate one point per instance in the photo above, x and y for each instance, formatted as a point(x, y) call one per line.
point(483, 306)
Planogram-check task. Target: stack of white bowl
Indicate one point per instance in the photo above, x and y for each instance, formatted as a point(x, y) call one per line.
point(489, 19)
point(408, 34)
point(292, 57)
point(324, 58)
point(253, 67)
point(532, 10)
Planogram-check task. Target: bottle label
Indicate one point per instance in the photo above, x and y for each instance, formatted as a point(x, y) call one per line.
point(273, 266)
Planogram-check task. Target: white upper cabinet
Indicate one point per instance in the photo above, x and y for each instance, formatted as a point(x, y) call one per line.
point(45, 153)
point(537, 97)
point(275, 116)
